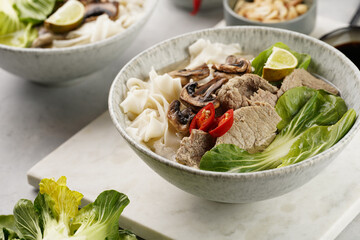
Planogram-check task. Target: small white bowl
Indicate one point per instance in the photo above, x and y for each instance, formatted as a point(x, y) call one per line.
point(61, 65)
point(240, 187)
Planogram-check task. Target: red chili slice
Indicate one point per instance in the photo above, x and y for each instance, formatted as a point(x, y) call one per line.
point(223, 124)
point(204, 119)
point(196, 6)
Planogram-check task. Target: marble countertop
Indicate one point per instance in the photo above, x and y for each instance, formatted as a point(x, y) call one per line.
point(37, 119)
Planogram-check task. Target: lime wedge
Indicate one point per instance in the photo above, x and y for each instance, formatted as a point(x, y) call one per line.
point(67, 17)
point(279, 64)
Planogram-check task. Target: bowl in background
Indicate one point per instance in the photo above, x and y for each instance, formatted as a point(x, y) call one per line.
point(239, 187)
point(303, 24)
point(61, 65)
point(205, 4)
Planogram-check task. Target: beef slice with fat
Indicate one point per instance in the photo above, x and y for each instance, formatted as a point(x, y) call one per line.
point(254, 127)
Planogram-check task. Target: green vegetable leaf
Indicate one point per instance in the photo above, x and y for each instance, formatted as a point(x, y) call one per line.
point(8, 229)
point(100, 220)
point(9, 21)
point(12, 31)
point(126, 235)
point(230, 158)
point(319, 138)
point(55, 215)
point(290, 103)
point(7, 221)
point(314, 127)
point(27, 220)
point(21, 38)
point(259, 62)
point(34, 11)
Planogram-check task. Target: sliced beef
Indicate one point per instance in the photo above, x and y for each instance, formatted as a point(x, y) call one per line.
point(264, 96)
point(253, 129)
point(192, 148)
point(301, 77)
point(243, 91)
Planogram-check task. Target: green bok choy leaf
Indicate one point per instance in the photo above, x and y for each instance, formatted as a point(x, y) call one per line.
point(34, 11)
point(259, 62)
point(13, 32)
point(308, 128)
point(55, 215)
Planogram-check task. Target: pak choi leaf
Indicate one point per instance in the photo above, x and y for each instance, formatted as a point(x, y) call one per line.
point(7, 228)
point(12, 31)
point(259, 62)
point(9, 21)
point(55, 215)
point(21, 38)
point(34, 11)
point(27, 220)
point(315, 126)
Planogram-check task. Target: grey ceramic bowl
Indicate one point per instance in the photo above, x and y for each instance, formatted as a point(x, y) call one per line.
point(205, 4)
point(240, 187)
point(61, 65)
point(303, 24)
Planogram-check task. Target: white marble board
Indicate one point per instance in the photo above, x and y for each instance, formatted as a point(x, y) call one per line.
point(97, 158)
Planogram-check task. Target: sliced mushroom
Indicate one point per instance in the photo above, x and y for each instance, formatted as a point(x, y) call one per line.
point(180, 119)
point(97, 8)
point(234, 65)
point(195, 74)
point(197, 97)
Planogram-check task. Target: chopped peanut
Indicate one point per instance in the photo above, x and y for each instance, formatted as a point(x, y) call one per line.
point(270, 11)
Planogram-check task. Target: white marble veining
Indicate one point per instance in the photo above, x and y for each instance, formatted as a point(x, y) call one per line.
point(97, 158)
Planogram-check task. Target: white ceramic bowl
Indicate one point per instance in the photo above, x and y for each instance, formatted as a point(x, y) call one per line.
point(57, 66)
point(240, 187)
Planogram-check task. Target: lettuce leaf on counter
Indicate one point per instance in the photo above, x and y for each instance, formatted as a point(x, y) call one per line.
point(7, 227)
point(315, 126)
point(55, 215)
point(259, 62)
point(34, 11)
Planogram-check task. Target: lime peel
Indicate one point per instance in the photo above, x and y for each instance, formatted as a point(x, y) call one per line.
point(67, 17)
point(279, 64)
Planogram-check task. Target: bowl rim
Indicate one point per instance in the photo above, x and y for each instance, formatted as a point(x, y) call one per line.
point(271, 173)
point(231, 11)
point(149, 6)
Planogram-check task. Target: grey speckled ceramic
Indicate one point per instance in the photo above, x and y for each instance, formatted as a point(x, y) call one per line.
point(205, 4)
point(240, 187)
point(303, 24)
point(56, 66)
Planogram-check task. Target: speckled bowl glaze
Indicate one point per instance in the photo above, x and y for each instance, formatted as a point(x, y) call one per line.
point(303, 24)
point(205, 4)
point(61, 65)
point(240, 187)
